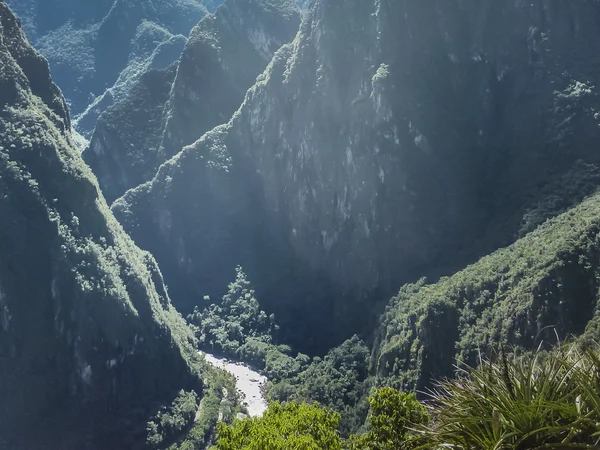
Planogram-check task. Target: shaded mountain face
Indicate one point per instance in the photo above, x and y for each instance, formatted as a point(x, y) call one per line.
point(166, 110)
point(124, 149)
point(390, 140)
point(152, 48)
point(90, 44)
point(89, 341)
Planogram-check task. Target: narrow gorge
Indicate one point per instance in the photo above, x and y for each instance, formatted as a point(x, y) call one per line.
point(334, 196)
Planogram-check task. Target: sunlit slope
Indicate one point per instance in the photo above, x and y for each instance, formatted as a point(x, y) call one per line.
point(543, 287)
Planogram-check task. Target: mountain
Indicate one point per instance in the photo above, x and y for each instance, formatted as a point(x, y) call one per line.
point(542, 288)
point(152, 48)
point(223, 56)
point(96, 49)
point(90, 346)
point(124, 148)
point(370, 154)
point(399, 188)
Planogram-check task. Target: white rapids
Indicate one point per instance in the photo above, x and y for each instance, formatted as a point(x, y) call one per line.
point(248, 382)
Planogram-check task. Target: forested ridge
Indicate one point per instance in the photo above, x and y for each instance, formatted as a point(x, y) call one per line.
point(388, 209)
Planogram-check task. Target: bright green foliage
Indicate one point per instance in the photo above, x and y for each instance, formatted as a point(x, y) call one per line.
point(227, 327)
point(338, 381)
point(543, 401)
point(219, 402)
point(333, 380)
point(293, 427)
point(393, 415)
point(519, 296)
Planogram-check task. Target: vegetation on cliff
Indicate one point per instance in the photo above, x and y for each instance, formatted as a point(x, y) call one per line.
point(366, 155)
point(369, 154)
point(90, 44)
point(89, 341)
point(545, 283)
point(160, 113)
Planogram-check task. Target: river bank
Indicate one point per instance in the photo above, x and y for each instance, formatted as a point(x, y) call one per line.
point(248, 382)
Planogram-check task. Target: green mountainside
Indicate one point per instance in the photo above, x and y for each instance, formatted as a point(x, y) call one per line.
point(161, 114)
point(90, 345)
point(542, 288)
point(90, 44)
point(394, 214)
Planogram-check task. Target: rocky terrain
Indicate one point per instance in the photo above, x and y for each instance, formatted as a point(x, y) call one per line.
point(406, 184)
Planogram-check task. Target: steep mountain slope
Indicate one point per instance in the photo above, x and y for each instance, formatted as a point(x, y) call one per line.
point(89, 44)
point(224, 55)
point(89, 342)
point(542, 287)
point(124, 149)
point(390, 140)
point(152, 48)
point(221, 60)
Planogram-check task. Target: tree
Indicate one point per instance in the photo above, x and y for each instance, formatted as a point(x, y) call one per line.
point(290, 427)
point(393, 415)
point(226, 327)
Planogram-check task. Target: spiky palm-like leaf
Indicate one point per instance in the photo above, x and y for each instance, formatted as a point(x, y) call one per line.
point(546, 401)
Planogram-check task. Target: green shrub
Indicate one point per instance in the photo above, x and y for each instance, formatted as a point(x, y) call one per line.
point(540, 402)
point(236, 327)
point(338, 381)
point(394, 415)
point(293, 427)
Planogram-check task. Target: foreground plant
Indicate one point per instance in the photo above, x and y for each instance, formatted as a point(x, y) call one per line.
point(293, 427)
point(394, 415)
point(547, 401)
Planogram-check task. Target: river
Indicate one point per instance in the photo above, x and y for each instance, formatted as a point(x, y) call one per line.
point(248, 382)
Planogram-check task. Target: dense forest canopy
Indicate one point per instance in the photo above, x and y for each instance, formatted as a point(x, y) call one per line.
point(289, 224)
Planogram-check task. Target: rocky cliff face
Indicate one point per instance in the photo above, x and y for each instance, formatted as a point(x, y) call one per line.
point(221, 60)
point(88, 338)
point(224, 55)
point(389, 140)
